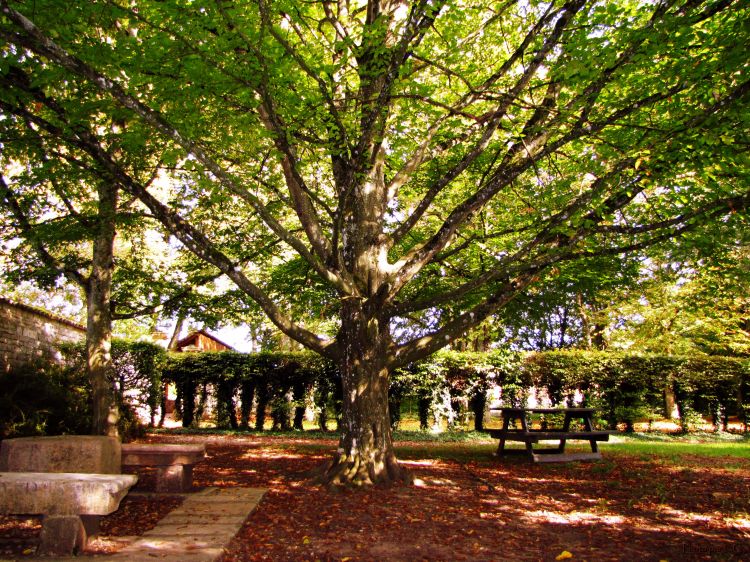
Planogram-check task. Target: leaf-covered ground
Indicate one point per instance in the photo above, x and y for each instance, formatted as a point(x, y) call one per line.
point(138, 513)
point(467, 505)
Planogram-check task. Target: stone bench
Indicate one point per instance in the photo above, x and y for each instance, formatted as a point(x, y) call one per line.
point(61, 453)
point(70, 503)
point(173, 463)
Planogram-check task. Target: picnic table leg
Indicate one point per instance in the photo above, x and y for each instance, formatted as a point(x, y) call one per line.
point(589, 425)
point(525, 428)
point(501, 448)
point(501, 445)
point(530, 450)
point(566, 427)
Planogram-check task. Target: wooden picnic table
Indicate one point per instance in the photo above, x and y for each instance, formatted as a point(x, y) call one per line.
point(531, 436)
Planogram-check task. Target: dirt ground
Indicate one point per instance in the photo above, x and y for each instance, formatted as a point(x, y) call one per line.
point(462, 507)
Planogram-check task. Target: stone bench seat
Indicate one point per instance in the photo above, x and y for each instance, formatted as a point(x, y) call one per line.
point(173, 463)
point(70, 504)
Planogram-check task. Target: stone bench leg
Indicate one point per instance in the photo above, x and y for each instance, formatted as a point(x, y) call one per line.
point(174, 478)
point(62, 535)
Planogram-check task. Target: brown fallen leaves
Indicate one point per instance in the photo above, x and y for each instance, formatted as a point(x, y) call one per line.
point(622, 508)
point(137, 514)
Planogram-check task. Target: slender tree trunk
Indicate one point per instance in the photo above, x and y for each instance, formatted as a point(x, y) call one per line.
point(585, 321)
point(599, 336)
point(299, 392)
point(99, 317)
point(173, 341)
point(423, 405)
point(478, 404)
point(365, 454)
point(260, 411)
point(247, 394)
point(172, 346)
point(563, 327)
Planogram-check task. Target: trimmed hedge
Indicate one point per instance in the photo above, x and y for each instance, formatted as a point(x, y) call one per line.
point(281, 382)
point(137, 381)
point(48, 399)
point(454, 386)
point(38, 399)
point(625, 388)
point(449, 387)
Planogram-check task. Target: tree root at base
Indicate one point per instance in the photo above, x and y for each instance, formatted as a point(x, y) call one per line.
point(356, 471)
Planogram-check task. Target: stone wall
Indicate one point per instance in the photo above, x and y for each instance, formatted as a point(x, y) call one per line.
point(28, 334)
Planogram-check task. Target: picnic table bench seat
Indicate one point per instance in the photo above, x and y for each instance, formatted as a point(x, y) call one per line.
point(536, 435)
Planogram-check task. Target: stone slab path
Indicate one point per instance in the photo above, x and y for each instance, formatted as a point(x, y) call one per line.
point(197, 531)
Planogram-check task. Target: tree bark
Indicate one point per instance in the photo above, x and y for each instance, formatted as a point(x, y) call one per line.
point(298, 395)
point(99, 317)
point(365, 453)
point(247, 395)
point(174, 340)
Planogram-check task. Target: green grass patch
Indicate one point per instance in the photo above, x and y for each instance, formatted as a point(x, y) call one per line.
point(457, 451)
point(674, 447)
point(463, 446)
point(444, 437)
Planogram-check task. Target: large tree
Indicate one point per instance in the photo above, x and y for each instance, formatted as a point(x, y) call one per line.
point(406, 155)
point(93, 274)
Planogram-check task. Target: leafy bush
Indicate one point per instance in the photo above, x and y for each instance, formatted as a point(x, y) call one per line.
point(137, 379)
point(626, 388)
point(44, 400)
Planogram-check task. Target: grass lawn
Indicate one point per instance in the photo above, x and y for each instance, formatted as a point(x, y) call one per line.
point(470, 444)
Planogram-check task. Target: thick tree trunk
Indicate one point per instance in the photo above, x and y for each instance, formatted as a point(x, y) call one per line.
point(99, 318)
point(98, 343)
point(365, 454)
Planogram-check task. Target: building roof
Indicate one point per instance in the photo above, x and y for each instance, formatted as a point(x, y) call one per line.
point(187, 340)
